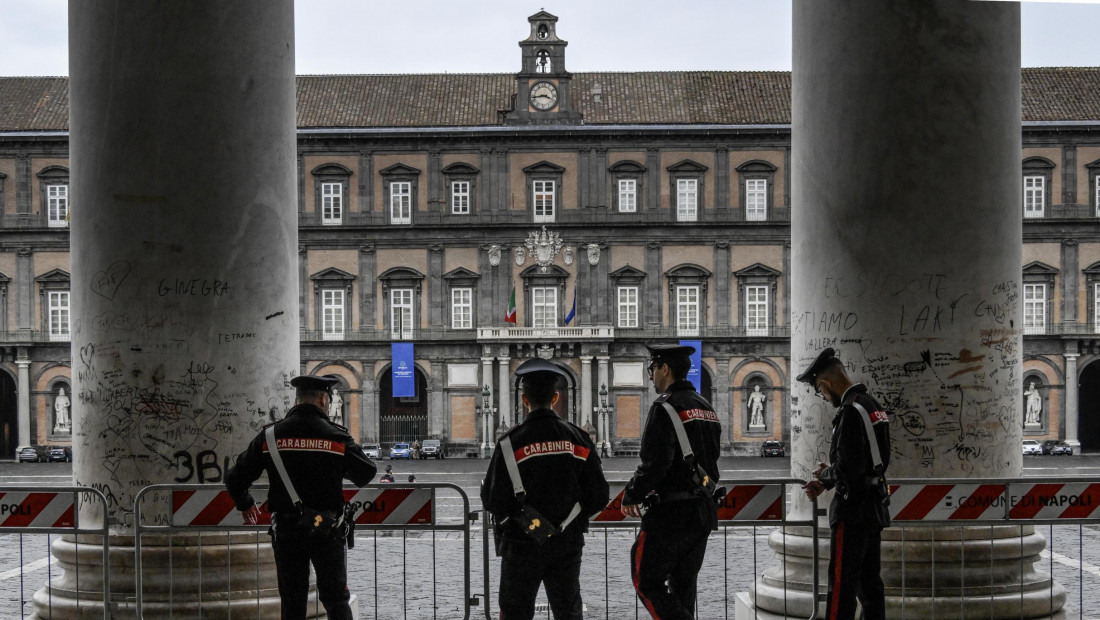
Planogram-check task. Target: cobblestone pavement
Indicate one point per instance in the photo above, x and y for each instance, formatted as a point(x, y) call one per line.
point(419, 575)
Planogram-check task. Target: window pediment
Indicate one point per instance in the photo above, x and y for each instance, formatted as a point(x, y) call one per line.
point(626, 166)
point(757, 270)
point(627, 273)
point(460, 168)
point(1037, 163)
point(332, 274)
point(757, 165)
point(331, 169)
point(55, 276)
point(687, 166)
point(461, 276)
point(544, 167)
point(1037, 268)
point(553, 272)
point(1093, 269)
point(688, 272)
point(401, 273)
point(399, 170)
point(53, 172)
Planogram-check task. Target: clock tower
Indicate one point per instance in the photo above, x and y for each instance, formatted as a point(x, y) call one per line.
point(543, 86)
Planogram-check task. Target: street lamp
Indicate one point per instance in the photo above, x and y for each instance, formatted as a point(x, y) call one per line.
point(601, 412)
point(486, 411)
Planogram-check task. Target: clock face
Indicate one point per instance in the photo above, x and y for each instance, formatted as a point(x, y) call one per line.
point(544, 96)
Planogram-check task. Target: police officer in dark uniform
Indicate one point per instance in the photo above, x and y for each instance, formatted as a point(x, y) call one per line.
point(561, 477)
point(859, 509)
point(317, 454)
point(668, 553)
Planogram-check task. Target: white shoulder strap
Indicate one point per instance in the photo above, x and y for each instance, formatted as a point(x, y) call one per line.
point(277, 459)
point(681, 434)
point(872, 441)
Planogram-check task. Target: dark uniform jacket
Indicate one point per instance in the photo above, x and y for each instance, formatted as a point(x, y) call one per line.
point(317, 453)
point(851, 472)
point(559, 467)
point(663, 468)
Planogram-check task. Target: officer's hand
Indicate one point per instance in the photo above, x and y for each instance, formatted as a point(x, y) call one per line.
point(251, 516)
point(631, 510)
point(820, 468)
point(813, 488)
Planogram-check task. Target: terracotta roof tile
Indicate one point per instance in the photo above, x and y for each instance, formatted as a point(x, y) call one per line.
point(472, 100)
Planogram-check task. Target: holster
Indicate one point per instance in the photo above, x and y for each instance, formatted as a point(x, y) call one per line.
point(535, 526)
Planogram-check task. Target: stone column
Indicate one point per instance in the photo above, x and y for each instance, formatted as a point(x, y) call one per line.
point(504, 380)
point(906, 256)
point(585, 416)
point(486, 380)
point(183, 160)
point(23, 392)
point(1071, 403)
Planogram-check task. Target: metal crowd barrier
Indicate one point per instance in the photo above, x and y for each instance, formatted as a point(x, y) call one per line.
point(51, 510)
point(1067, 503)
point(749, 504)
point(382, 510)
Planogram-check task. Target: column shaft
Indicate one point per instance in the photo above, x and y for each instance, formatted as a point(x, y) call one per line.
point(585, 416)
point(504, 375)
point(1071, 403)
point(23, 403)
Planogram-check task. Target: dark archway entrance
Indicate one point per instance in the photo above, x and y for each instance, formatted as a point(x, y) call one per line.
point(404, 418)
point(9, 419)
point(1088, 408)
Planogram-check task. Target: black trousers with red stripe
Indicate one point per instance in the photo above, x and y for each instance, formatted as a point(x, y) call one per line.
point(854, 565)
point(664, 564)
point(294, 551)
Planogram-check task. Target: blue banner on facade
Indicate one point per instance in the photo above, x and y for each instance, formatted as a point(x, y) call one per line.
point(404, 370)
point(696, 362)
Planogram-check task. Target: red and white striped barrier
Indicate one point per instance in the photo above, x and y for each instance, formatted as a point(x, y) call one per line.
point(947, 502)
point(743, 502)
point(1073, 500)
point(210, 507)
point(392, 505)
point(34, 509)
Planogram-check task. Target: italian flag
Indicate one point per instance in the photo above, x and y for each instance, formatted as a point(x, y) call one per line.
point(510, 316)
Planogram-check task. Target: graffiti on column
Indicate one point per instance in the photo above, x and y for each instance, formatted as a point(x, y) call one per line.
point(157, 410)
point(946, 368)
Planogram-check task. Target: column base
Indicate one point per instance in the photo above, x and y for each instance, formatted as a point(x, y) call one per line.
point(1075, 445)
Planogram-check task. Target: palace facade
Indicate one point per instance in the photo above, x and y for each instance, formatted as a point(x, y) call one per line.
point(490, 218)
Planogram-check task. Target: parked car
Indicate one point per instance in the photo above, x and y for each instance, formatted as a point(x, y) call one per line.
point(30, 454)
point(771, 448)
point(1056, 446)
point(432, 448)
point(1032, 447)
point(372, 450)
point(400, 451)
point(60, 454)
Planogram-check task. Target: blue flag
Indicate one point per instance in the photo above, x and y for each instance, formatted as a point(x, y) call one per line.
point(573, 310)
point(695, 373)
point(403, 368)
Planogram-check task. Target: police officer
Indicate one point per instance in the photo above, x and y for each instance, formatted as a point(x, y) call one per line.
point(562, 480)
point(668, 553)
point(858, 511)
point(317, 454)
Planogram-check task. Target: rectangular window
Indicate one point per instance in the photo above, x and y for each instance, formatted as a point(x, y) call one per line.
point(1035, 308)
point(58, 207)
point(687, 310)
point(756, 200)
point(1033, 196)
point(544, 306)
point(460, 197)
point(401, 202)
point(332, 203)
point(687, 200)
point(1096, 184)
point(628, 195)
point(462, 308)
point(756, 310)
point(332, 314)
point(59, 315)
point(1096, 307)
point(401, 313)
point(543, 194)
point(628, 306)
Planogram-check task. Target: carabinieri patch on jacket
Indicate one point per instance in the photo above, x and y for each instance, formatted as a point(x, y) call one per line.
point(551, 448)
point(307, 444)
point(691, 415)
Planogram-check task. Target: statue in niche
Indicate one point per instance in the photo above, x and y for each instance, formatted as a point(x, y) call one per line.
point(336, 407)
point(61, 412)
point(756, 407)
point(1034, 405)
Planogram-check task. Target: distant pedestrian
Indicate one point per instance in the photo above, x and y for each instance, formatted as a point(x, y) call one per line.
point(543, 484)
point(412, 478)
point(388, 476)
point(415, 449)
point(859, 454)
point(603, 449)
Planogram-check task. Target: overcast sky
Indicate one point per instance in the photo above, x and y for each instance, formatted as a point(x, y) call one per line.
point(480, 36)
